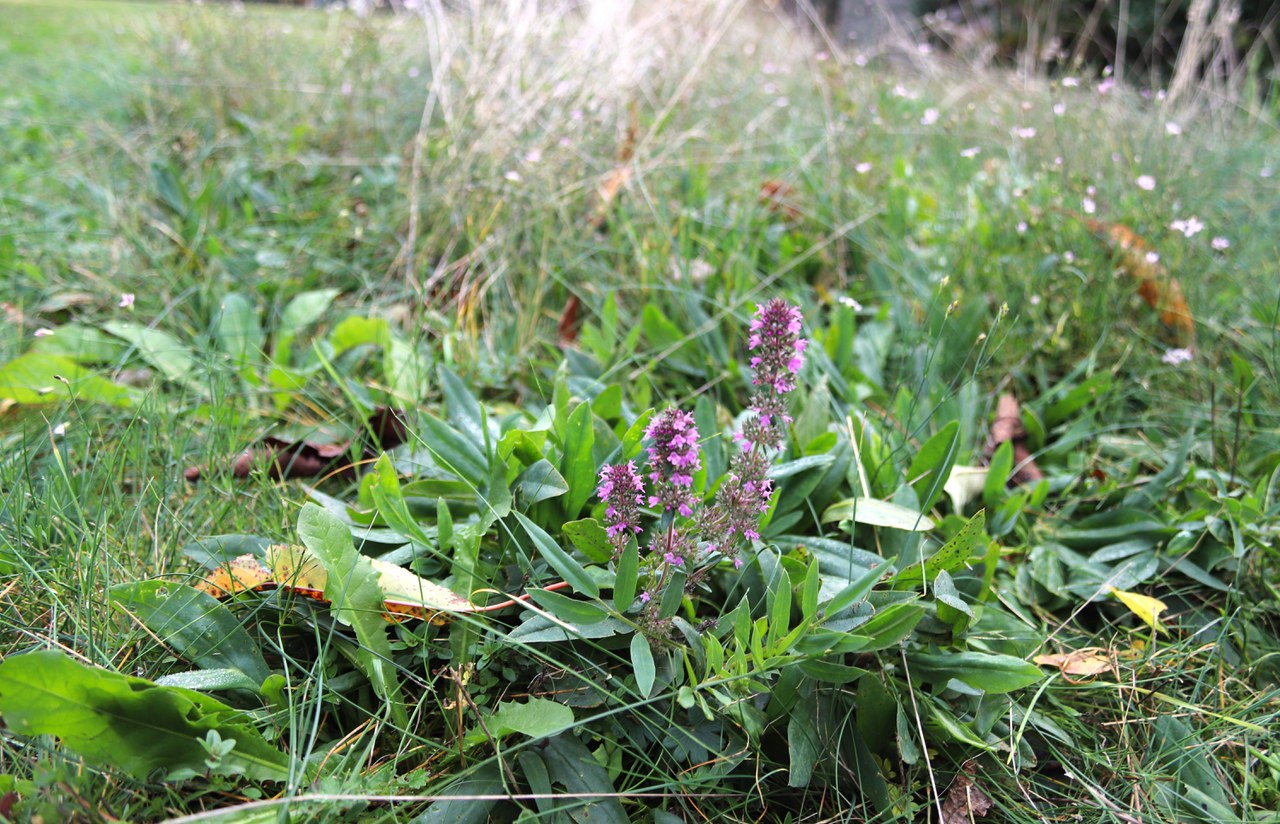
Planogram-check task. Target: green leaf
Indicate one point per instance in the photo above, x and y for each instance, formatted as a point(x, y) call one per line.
point(388, 497)
point(993, 488)
point(538, 629)
point(634, 435)
point(130, 723)
point(875, 512)
point(210, 680)
point(931, 466)
point(576, 464)
point(568, 609)
point(971, 540)
point(539, 482)
point(536, 718)
point(803, 745)
point(167, 354)
point(559, 560)
point(477, 795)
point(82, 344)
point(465, 411)
point(351, 586)
point(305, 309)
point(36, 378)
point(642, 663)
point(891, 625)
point(454, 452)
point(985, 671)
point(238, 331)
point(194, 623)
point(590, 538)
point(572, 765)
point(624, 582)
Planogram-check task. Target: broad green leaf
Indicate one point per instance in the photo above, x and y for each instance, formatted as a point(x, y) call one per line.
point(82, 344)
point(537, 629)
point(464, 410)
point(993, 489)
point(559, 560)
point(167, 354)
point(388, 497)
point(539, 482)
point(572, 765)
point(1076, 399)
point(454, 452)
point(576, 464)
point(351, 586)
point(634, 435)
point(985, 671)
point(133, 724)
point(803, 744)
point(624, 582)
point(303, 310)
point(890, 625)
point(830, 672)
point(194, 623)
point(970, 541)
point(875, 512)
point(536, 718)
point(477, 793)
point(239, 332)
point(209, 680)
point(642, 663)
point(568, 609)
point(36, 378)
point(590, 538)
point(932, 464)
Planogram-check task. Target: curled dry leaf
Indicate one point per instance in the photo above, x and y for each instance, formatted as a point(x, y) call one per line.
point(614, 182)
point(567, 328)
point(1089, 662)
point(779, 197)
point(1160, 291)
point(1008, 427)
point(297, 570)
point(965, 800)
point(306, 459)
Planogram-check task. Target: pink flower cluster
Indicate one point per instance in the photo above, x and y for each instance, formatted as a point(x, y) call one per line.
point(775, 333)
point(623, 493)
point(673, 458)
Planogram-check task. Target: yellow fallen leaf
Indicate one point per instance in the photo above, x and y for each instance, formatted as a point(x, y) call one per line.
point(1087, 662)
point(1143, 606)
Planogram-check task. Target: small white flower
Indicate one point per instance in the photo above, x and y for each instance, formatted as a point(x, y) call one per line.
point(512, 175)
point(126, 300)
point(859, 59)
point(1173, 357)
point(60, 430)
point(1189, 227)
point(1022, 227)
point(1153, 257)
point(413, 72)
point(1070, 82)
point(533, 156)
point(1024, 132)
point(43, 332)
point(1069, 256)
point(845, 300)
point(1146, 182)
point(1266, 171)
point(1035, 300)
point(1172, 129)
point(972, 151)
point(1088, 206)
point(1091, 190)
point(1059, 109)
point(821, 57)
point(862, 168)
point(1220, 243)
point(1106, 85)
point(930, 117)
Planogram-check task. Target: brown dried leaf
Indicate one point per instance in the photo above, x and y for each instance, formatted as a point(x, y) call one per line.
point(965, 801)
point(1089, 662)
point(779, 197)
point(1156, 288)
point(567, 329)
point(307, 459)
point(1008, 427)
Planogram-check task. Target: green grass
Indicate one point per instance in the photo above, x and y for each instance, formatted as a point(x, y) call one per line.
point(441, 176)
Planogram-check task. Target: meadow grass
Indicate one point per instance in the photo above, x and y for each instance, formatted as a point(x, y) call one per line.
point(444, 172)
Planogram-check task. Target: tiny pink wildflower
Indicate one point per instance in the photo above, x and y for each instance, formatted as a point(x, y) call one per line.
point(1220, 243)
point(126, 300)
point(1145, 182)
point(43, 333)
point(1174, 357)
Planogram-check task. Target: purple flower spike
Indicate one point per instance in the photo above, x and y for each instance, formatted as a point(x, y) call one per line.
point(623, 493)
point(673, 459)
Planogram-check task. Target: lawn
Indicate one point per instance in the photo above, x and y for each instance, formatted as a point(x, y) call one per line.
point(320, 333)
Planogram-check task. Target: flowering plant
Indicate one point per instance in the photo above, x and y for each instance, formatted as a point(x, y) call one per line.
point(693, 537)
